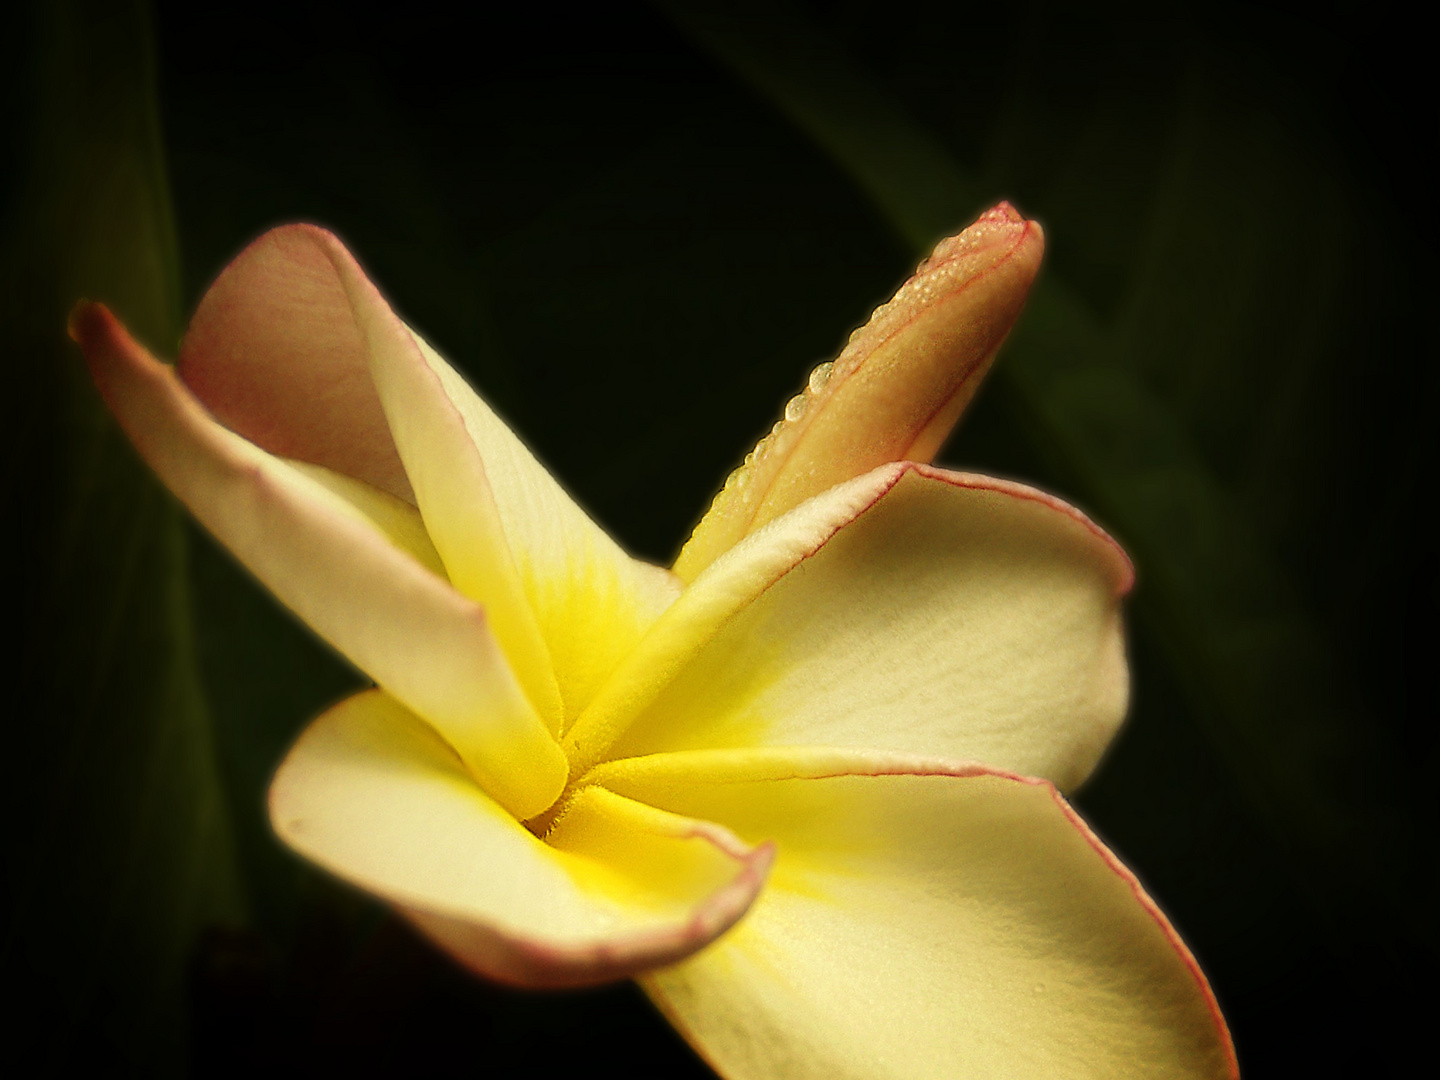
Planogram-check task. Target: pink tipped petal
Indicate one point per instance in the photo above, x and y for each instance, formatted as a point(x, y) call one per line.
point(912, 610)
point(274, 352)
point(369, 793)
point(295, 320)
point(895, 391)
point(925, 919)
point(333, 564)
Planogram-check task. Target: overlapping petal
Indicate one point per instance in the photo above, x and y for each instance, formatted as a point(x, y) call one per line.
point(924, 919)
point(332, 561)
point(895, 391)
point(856, 634)
point(913, 610)
point(616, 887)
point(293, 343)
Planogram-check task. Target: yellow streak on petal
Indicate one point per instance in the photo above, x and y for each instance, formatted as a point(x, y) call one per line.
point(370, 793)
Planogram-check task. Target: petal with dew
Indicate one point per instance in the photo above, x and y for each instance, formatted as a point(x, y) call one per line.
point(371, 794)
point(328, 560)
point(924, 919)
point(913, 610)
point(895, 391)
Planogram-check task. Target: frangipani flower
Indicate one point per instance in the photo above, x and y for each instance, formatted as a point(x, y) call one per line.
point(804, 786)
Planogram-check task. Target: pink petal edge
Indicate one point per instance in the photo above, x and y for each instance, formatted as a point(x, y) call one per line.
point(275, 353)
point(533, 965)
point(906, 765)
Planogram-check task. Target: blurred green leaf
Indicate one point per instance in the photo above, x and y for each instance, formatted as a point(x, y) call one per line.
point(118, 850)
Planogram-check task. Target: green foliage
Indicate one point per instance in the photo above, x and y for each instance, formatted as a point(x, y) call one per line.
point(118, 848)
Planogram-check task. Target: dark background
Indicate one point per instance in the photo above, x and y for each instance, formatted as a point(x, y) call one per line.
point(636, 229)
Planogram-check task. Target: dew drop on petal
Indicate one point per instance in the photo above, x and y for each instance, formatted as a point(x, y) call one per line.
point(820, 376)
point(795, 408)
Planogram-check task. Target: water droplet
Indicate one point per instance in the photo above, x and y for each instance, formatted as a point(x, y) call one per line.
point(749, 460)
point(820, 376)
point(779, 427)
point(795, 408)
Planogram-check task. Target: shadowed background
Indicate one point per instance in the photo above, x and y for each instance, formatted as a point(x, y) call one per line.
point(636, 230)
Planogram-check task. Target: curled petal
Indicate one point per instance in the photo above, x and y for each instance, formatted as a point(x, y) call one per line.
point(912, 609)
point(925, 919)
point(896, 390)
point(330, 560)
point(369, 793)
point(295, 347)
point(275, 354)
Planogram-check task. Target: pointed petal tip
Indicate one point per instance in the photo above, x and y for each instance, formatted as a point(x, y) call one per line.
point(897, 388)
point(80, 324)
point(1004, 210)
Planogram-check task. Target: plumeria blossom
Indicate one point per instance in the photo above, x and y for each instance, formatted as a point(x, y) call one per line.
point(805, 786)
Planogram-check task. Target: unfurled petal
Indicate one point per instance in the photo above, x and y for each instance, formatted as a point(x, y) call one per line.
point(896, 390)
point(924, 920)
point(372, 795)
point(294, 344)
point(911, 610)
point(335, 565)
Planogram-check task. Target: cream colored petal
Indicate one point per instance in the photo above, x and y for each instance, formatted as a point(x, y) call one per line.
point(911, 610)
point(896, 390)
point(397, 519)
point(925, 919)
point(281, 350)
point(567, 603)
point(450, 481)
point(371, 794)
point(325, 558)
point(593, 601)
point(275, 353)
